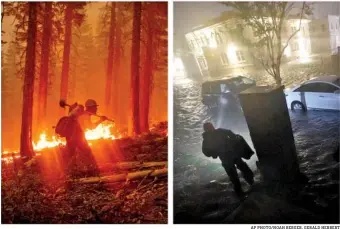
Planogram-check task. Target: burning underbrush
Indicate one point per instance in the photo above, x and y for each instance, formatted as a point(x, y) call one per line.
point(131, 187)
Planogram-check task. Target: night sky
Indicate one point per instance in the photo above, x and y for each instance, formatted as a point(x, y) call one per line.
point(190, 14)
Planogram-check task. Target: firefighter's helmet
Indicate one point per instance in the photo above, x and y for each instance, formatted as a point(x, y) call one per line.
point(91, 103)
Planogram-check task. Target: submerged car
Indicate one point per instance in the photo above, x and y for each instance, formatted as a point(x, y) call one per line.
point(224, 92)
point(318, 93)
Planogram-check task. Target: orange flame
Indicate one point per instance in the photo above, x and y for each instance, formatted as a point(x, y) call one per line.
point(101, 132)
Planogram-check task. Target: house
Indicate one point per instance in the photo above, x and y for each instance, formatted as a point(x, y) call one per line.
point(325, 35)
point(218, 51)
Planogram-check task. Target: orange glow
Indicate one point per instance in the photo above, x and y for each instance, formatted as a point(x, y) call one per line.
point(103, 131)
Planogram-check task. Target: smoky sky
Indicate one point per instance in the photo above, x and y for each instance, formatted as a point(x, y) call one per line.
point(190, 14)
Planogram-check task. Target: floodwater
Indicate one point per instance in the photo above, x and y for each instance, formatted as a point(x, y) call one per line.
point(315, 133)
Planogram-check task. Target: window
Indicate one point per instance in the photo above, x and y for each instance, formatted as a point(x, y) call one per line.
point(323, 27)
point(295, 46)
point(224, 58)
point(240, 56)
point(206, 40)
point(215, 88)
point(317, 87)
point(293, 29)
point(191, 45)
point(202, 42)
point(336, 26)
point(218, 39)
point(326, 88)
point(224, 88)
point(202, 63)
point(247, 80)
point(211, 88)
point(331, 26)
point(206, 88)
point(305, 88)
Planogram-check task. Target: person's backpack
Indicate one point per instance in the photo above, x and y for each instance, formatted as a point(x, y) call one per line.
point(65, 126)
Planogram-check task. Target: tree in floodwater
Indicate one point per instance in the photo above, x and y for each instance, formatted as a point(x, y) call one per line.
point(135, 59)
point(26, 148)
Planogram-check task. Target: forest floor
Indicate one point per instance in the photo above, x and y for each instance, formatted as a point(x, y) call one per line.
point(132, 186)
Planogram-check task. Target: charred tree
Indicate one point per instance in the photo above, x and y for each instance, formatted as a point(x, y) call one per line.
point(66, 53)
point(109, 70)
point(45, 58)
point(26, 148)
point(135, 58)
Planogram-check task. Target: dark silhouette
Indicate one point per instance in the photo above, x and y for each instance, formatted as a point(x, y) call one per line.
point(230, 148)
point(80, 120)
point(110, 57)
point(135, 61)
point(44, 68)
point(26, 147)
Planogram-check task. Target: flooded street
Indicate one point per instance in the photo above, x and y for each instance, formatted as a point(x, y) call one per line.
point(315, 133)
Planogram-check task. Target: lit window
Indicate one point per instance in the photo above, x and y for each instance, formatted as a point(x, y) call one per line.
point(202, 42)
point(218, 39)
point(202, 63)
point(224, 58)
point(206, 40)
point(191, 45)
point(295, 46)
point(294, 29)
point(240, 56)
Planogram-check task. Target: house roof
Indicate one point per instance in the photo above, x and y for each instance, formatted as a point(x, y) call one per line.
point(227, 15)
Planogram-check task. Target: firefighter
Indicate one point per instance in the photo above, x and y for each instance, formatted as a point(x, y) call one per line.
point(77, 140)
point(224, 144)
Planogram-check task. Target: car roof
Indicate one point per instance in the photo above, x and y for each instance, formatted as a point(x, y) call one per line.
point(225, 79)
point(328, 78)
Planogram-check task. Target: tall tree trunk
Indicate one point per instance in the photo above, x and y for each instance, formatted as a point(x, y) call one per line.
point(45, 58)
point(277, 73)
point(116, 102)
point(109, 69)
point(146, 82)
point(67, 48)
point(135, 58)
point(26, 148)
point(2, 12)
